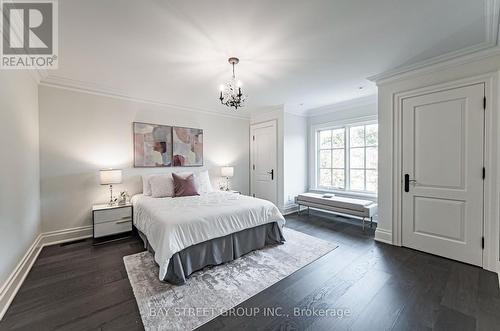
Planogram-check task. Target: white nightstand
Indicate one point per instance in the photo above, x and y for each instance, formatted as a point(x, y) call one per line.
point(111, 221)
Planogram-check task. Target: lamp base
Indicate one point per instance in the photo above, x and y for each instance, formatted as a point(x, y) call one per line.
point(111, 200)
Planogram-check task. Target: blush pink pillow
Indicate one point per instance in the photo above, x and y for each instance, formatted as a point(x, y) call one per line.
point(184, 186)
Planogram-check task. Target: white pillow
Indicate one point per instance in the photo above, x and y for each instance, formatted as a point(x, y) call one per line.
point(162, 186)
point(202, 181)
point(146, 187)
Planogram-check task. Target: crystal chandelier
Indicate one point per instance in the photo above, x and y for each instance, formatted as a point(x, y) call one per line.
point(230, 92)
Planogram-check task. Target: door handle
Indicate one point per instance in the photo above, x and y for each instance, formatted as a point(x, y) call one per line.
point(272, 174)
point(407, 182)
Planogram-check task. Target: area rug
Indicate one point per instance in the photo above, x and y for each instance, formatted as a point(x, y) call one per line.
point(215, 290)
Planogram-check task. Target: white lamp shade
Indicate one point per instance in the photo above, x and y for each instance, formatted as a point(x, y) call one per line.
point(110, 176)
point(227, 171)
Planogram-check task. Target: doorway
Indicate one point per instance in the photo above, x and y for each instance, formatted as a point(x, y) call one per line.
point(263, 161)
point(443, 173)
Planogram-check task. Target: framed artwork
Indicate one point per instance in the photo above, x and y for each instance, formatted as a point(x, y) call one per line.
point(187, 147)
point(152, 145)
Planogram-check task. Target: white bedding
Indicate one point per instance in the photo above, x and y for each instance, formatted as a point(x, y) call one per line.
point(172, 224)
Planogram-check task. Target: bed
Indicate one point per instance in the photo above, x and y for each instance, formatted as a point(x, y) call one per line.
point(186, 234)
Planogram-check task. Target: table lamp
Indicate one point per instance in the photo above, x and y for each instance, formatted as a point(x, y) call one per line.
point(227, 172)
point(110, 177)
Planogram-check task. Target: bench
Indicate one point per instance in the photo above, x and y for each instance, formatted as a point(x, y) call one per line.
point(342, 205)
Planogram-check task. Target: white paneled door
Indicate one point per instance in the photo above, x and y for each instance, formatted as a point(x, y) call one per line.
point(443, 139)
point(263, 159)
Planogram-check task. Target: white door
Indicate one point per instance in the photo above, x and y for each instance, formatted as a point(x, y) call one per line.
point(263, 161)
point(443, 134)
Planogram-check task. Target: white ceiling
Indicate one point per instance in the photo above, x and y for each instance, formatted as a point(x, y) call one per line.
point(292, 52)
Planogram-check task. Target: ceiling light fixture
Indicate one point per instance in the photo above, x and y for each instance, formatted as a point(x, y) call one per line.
point(230, 92)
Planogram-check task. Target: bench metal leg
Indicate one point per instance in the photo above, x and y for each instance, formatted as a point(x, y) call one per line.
point(363, 224)
point(371, 222)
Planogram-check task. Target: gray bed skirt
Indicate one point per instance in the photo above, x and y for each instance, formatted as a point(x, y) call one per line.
point(218, 250)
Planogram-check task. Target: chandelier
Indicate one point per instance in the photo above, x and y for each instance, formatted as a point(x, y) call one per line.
point(230, 92)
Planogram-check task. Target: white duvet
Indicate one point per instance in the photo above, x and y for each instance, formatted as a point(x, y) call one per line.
point(172, 224)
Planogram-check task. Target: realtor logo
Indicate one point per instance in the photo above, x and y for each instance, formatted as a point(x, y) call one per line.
point(29, 34)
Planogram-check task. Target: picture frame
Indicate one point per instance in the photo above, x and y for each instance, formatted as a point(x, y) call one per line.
point(152, 145)
point(187, 147)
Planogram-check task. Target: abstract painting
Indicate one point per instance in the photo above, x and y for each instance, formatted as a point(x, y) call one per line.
point(152, 145)
point(187, 147)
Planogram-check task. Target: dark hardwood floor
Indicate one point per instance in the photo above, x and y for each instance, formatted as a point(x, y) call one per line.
point(78, 286)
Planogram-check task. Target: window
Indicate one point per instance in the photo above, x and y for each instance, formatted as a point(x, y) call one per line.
point(348, 158)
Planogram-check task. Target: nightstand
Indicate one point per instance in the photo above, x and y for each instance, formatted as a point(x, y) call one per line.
point(111, 222)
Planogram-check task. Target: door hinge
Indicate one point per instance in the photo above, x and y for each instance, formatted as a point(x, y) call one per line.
point(253, 195)
point(482, 242)
point(253, 167)
point(253, 138)
point(484, 103)
point(484, 172)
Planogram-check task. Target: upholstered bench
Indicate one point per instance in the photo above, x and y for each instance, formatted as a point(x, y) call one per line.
point(342, 205)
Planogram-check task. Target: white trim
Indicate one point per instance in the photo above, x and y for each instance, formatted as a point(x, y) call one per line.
point(334, 107)
point(384, 236)
point(271, 123)
point(344, 105)
point(290, 209)
point(459, 57)
point(341, 123)
point(96, 89)
point(313, 157)
point(9, 289)
point(492, 164)
point(349, 194)
point(13, 283)
point(498, 272)
point(66, 235)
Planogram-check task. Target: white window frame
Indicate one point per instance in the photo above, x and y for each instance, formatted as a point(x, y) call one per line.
point(314, 154)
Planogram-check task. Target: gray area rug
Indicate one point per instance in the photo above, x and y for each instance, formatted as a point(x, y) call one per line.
point(215, 290)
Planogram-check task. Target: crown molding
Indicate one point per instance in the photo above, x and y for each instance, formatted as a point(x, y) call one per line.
point(344, 105)
point(468, 54)
point(456, 62)
point(96, 89)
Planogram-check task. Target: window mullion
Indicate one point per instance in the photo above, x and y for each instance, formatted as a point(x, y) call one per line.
point(331, 159)
point(364, 158)
point(318, 161)
point(347, 158)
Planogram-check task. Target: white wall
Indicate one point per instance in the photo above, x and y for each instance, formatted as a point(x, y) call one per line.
point(387, 142)
point(295, 158)
point(19, 178)
point(81, 133)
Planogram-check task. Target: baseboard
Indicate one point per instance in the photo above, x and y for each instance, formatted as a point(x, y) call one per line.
point(62, 236)
point(384, 236)
point(290, 209)
point(10, 288)
point(498, 272)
